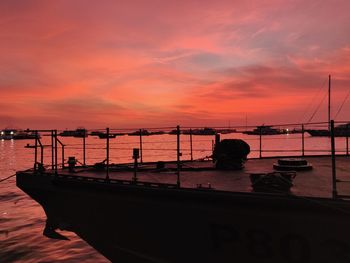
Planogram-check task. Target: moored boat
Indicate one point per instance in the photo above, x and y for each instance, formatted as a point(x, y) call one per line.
point(265, 130)
point(7, 134)
point(80, 132)
point(342, 130)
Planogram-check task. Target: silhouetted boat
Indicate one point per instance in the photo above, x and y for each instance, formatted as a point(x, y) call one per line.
point(204, 131)
point(265, 130)
point(23, 135)
point(143, 132)
point(155, 221)
point(74, 133)
point(342, 130)
point(105, 136)
point(226, 131)
point(7, 134)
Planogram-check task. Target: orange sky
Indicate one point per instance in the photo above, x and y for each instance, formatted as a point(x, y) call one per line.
point(153, 63)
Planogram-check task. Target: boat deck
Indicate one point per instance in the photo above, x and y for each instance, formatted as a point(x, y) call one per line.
point(314, 183)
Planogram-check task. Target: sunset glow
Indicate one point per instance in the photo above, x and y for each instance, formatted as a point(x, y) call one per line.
point(153, 63)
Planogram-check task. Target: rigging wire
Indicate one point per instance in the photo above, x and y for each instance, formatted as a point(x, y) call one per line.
point(6, 178)
point(313, 100)
point(317, 108)
point(341, 106)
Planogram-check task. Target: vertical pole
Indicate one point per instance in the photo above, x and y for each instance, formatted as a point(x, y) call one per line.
point(260, 142)
point(191, 145)
point(302, 140)
point(329, 102)
point(36, 151)
point(334, 176)
point(178, 155)
point(347, 139)
point(107, 155)
point(135, 156)
point(41, 152)
point(62, 156)
point(56, 162)
point(52, 152)
point(84, 148)
point(141, 160)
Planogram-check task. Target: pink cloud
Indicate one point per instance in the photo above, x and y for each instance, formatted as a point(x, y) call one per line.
point(142, 60)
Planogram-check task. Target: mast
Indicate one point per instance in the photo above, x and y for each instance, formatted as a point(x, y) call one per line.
point(329, 102)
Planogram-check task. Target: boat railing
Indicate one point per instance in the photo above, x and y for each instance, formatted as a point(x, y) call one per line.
point(182, 144)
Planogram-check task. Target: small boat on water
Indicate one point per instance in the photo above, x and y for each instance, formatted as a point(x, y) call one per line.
point(264, 130)
point(7, 134)
point(143, 132)
point(24, 135)
point(105, 136)
point(204, 131)
point(342, 130)
point(80, 133)
point(14, 134)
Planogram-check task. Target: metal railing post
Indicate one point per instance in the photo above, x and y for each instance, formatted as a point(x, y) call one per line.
point(56, 162)
point(84, 148)
point(302, 140)
point(191, 145)
point(41, 152)
point(178, 155)
point(62, 156)
point(334, 176)
point(141, 154)
point(107, 154)
point(135, 156)
point(52, 152)
point(36, 151)
point(260, 142)
point(347, 140)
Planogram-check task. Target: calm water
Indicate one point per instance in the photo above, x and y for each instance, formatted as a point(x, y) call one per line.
point(22, 220)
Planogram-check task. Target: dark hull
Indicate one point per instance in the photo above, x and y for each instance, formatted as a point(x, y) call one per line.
point(326, 133)
point(130, 223)
point(262, 133)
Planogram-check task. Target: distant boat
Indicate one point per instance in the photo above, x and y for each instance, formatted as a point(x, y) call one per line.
point(265, 130)
point(105, 136)
point(24, 135)
point(7, 134)
point(342, 130)
point(226, 131)
point(204, 131)
point(138, 133)
point(80, 133)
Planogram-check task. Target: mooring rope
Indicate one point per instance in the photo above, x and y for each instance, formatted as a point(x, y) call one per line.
point(4, 179)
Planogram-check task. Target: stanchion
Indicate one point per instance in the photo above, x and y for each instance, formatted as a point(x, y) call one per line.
point(107, 154)
point(191, 146)
point(260, 142)
point(302, 140)
point(141, 159)
point(178, 155)
point(334, 176)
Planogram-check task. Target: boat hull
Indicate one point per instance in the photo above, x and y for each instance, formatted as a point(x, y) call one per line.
point(129, 223)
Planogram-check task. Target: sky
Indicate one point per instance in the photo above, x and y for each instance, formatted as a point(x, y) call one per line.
point(97, 64)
